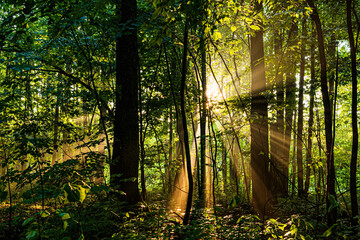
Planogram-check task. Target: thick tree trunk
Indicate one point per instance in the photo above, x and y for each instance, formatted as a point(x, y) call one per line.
point(259, 123)
point(125, 161)
point(330, 183)
point(355, 138)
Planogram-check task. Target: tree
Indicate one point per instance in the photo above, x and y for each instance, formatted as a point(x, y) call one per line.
point(290, 90)
point(259, 124)
point(330, 178)
point(355, 137)
point(300, 172)
point(125, 160)
point(186, 134)
point(203, 116)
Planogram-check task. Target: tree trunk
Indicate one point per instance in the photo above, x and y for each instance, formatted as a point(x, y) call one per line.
point(311, 115)
point(277, 129)
point(170, 161)
point(293, 168)
point(289, 108)
point(56, 133)
point(125, 160)
point(203, 187)
point(355, 138)
point(300, 172)
point(259, 124)
point(224, 165)
point(186, 135)
point(330, 180)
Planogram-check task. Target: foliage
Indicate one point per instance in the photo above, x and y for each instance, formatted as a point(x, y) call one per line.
point(57, 98)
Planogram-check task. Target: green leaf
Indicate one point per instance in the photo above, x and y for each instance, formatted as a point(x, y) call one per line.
point(28, 220)
point(72, 194)
point(66, 224)
point(44, 214)
point(334, 203)
point(32, 234)
point(65, 216)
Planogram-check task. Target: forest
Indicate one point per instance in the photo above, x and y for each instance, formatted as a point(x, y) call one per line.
point(179, 119)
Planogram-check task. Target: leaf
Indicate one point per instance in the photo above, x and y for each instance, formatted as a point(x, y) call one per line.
point(334, 203)
point(254, 27)
point(71, 194)
point(66, 224)
point(27, 220)
point(233, 28)
point(217, 35)
point(31, 234)
point(65, 216)
point(44, 214)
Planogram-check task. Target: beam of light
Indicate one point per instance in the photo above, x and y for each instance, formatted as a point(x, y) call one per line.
point(179, 195)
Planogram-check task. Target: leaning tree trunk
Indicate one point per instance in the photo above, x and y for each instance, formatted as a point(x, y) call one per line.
point(125, 160)
point(355, 139)
point(330, 180)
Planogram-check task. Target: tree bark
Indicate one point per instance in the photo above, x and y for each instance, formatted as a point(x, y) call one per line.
point(277, 133)
point(355, 137)
point(290, 88)
point(330, 180)
point(311, 116)
point(259, 124)
point(299, 153)
point(203, 187)
point(125, 160)
point(186, 134)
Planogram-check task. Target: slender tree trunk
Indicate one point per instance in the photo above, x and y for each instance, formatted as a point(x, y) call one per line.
point(170, 161)
point(224, 166)
point(277, 133)
point(289, 108)
point(293, 169)
point(186, 135)
point(203, 187)
point(300, 172)
point(311, 115)
point(125, 160)
point(56, 133)
point(332, 63)
point(330, 183)
point(355, 138)
point(259, 124)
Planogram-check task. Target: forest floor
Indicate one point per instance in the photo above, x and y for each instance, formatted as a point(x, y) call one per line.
point(109, 219)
